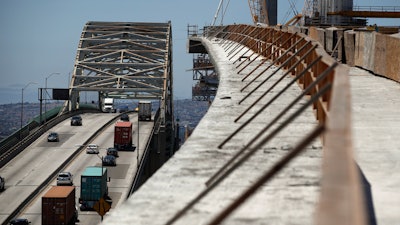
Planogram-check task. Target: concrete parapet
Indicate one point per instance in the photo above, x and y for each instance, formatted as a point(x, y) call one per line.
point(330, 38)
point(317, 34)
point(386, 54)
point(321, 37)
point(375, 52)
point(340, 46)
point(334, 43)
point(294, 29)
point(364, 50)
point(349, 47)
point(378, 53)
point(304, 30)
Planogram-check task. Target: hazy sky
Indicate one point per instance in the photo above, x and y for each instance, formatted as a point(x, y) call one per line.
point(40, 37)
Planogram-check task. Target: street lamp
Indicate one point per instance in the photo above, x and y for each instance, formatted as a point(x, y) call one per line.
point(22, 106)
point(137, 144)
point(45, 88)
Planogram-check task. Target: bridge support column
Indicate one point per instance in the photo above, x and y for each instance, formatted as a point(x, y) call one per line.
point(74, 98)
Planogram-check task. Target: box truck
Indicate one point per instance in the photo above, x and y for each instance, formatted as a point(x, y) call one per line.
point(123, 136)
point(58, 206)
point(144, 110)
point(93, 186)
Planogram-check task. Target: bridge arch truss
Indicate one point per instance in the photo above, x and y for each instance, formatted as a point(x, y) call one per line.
point(124, 60)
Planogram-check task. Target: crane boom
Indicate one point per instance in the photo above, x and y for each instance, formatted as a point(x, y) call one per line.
point(259, 12)
point(217, 12)
point(220, 5)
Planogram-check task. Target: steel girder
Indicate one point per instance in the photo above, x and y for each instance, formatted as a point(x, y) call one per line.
point(124, 60)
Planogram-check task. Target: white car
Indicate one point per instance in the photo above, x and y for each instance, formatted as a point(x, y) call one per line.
point(65, 178)
point(92, 149)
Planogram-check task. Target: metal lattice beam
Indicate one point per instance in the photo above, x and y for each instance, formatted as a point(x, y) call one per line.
point(124, 60)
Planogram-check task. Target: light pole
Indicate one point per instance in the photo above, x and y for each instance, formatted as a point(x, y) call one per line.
point(45, 88)
point(22, 107)
point(137, 144)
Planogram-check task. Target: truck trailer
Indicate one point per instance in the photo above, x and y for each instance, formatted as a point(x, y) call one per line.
point(144, 110)
point(58, 206)
point(93, 186)
point(123, 136)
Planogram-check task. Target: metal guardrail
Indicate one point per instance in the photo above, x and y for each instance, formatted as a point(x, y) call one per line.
point(377, 8)
point(139, 179)
point(326, 84)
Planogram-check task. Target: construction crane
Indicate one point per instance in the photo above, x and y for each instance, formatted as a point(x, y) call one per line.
point(297, 16)
point(258, 10)
point(220, 6)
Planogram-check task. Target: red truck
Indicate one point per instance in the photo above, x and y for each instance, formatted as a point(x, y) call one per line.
point(58, 206)
point(123, 136)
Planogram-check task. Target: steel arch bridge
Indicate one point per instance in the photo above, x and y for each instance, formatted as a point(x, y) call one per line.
point(124, 60)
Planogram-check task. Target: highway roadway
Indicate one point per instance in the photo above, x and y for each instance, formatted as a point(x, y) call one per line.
point(34, 165)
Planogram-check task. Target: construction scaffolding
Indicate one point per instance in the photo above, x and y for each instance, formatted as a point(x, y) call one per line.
point(206, 77)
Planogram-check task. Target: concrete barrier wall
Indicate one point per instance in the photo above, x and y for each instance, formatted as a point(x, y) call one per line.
point(380, 54)
point(317, 34)
point(387, 56)
point(330, 38)
point(375, 52)
point(364, 51)
point(349, 47)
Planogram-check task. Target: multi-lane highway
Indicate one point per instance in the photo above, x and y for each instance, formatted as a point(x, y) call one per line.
point(25, 173)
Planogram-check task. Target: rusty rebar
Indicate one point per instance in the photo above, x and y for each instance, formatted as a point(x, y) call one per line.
point(278, 166)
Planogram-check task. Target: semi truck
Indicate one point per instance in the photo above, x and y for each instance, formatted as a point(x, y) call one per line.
point(58, 206)
point(108, 105)
point(144, 110)
point(123, 136)
point(93, 186)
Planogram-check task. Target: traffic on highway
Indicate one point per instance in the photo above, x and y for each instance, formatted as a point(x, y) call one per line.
point(32, 177)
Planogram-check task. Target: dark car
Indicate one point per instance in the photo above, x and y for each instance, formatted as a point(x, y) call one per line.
point(124, 108)
point(76, 121)
point(109, 160)
point(19, 221)
point(2, 183)
point(124, 117)
point(112, 151)
point(53, 137)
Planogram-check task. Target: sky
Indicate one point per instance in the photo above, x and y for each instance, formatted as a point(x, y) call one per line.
point(39, 39)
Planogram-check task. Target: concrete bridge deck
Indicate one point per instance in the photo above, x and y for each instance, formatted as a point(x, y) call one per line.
point(289, 198)
point(376, 129)
point(292, 195)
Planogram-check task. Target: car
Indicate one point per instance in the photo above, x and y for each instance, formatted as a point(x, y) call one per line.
point(53, 137)
point(109, 160)
point(65, 178)
point(123, 109)
point(92, 149)
point(76, 121)
point(124, 117)
point(112, 151)
point(2, 183)
point(20, 221)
